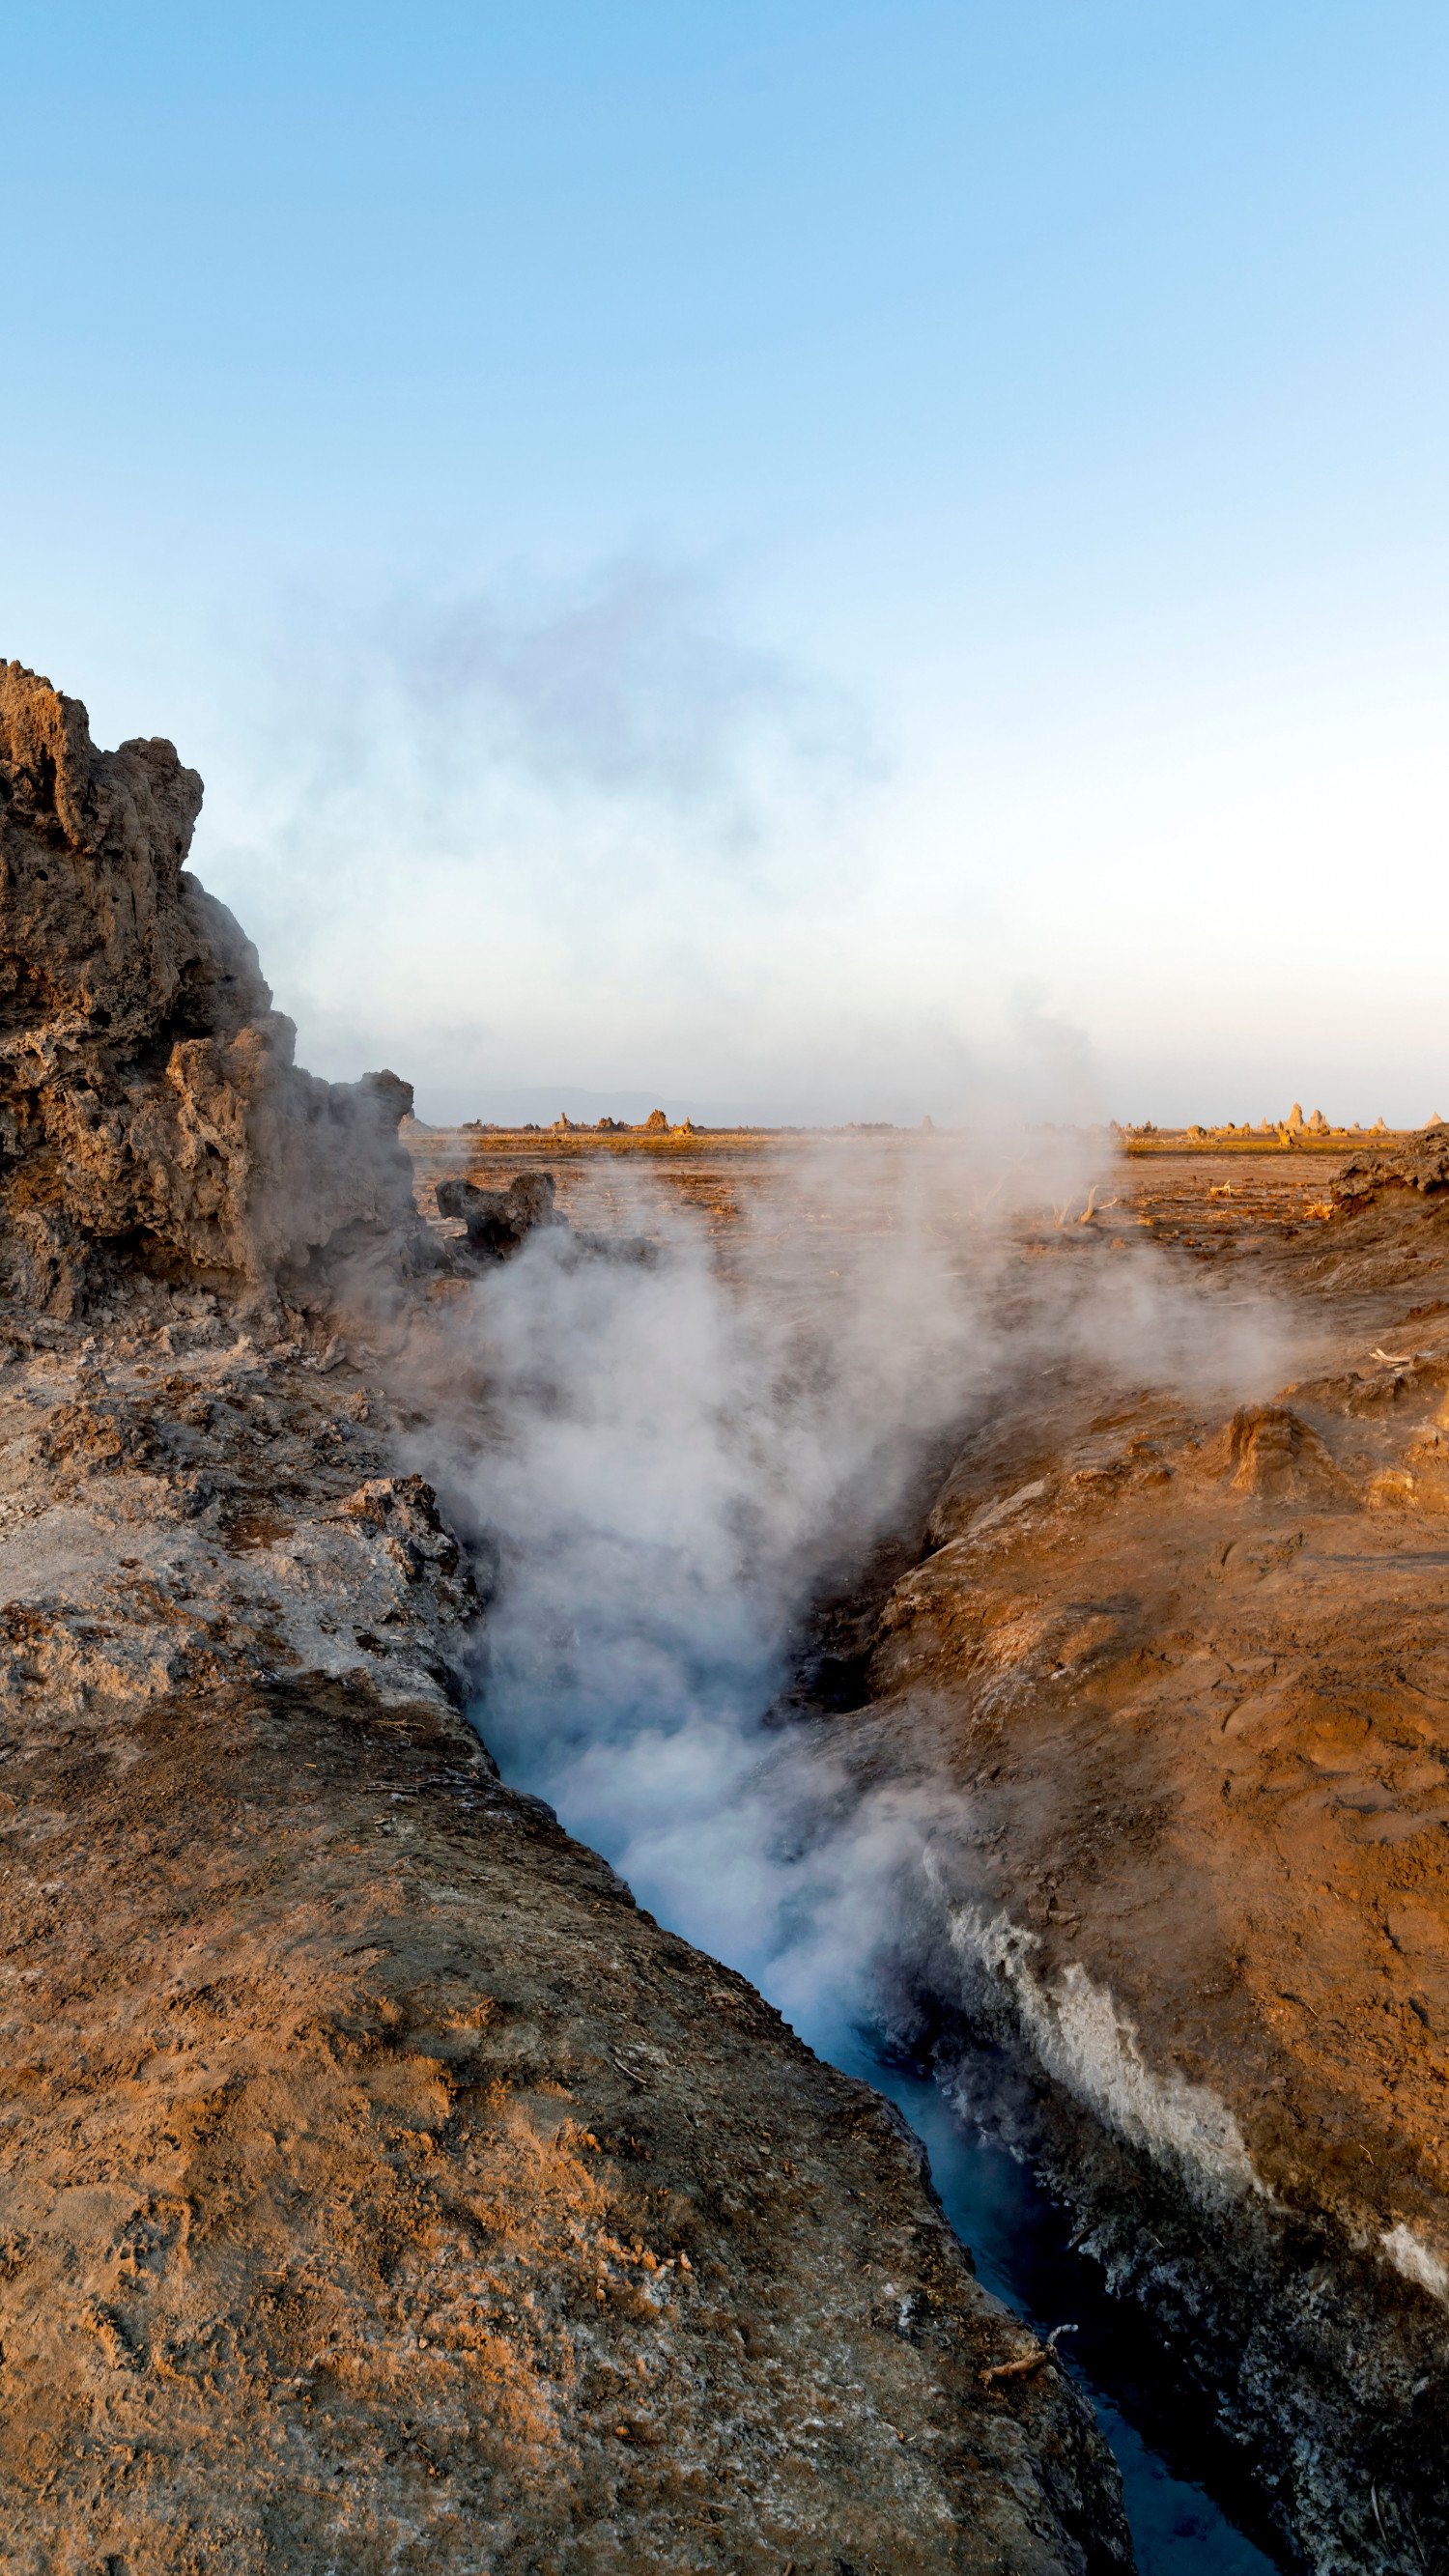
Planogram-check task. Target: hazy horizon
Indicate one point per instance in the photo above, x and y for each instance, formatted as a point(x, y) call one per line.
point(538, 1106)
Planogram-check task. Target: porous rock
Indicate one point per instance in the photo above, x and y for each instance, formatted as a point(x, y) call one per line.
point(151, 1115)
point(1422, 1164)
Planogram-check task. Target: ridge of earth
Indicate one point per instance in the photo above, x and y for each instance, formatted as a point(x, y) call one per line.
point(1185, 1674)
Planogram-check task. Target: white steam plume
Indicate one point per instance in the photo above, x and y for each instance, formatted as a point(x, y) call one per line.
point(686, 1453)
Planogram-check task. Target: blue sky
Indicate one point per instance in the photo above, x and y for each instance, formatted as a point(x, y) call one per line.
point(811, 560)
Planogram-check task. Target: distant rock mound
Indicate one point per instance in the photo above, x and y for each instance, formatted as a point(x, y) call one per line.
point(498, 1221)
point(1421, 1164)
point(151, 1116)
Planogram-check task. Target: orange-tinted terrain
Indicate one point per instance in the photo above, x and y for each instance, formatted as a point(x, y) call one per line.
point(1183, 1661)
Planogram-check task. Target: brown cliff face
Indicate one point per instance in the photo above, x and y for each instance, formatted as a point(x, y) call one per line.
point(151, 1116)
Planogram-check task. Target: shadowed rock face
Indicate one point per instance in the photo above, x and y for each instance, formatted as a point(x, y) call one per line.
point(499, 1221)
point(151, 1116)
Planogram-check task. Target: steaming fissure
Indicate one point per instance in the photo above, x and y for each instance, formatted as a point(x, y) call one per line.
point(996, 1847)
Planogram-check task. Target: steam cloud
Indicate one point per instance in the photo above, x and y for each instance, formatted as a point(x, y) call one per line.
point(554, 831)
point(685, 1454)
point(587, 842)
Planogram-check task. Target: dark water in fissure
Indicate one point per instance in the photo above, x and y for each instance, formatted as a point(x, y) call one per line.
point(1187, 2500)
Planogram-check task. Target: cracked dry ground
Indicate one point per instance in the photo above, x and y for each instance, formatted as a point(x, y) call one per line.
point(379, 2190)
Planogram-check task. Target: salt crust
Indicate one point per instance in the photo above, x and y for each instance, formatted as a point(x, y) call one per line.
point(1411, 2256)
point(1087, 2044)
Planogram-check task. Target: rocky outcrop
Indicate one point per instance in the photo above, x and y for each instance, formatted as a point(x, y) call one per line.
point(497, 1222)
point(151, 1116)
point(1422, 1164)
point(1268, 1450)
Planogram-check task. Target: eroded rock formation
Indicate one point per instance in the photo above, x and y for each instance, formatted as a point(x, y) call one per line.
point(497, 1222)
point(1422, 1164)
point(151, 1115)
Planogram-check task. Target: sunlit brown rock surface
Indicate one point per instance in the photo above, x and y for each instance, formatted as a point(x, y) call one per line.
point(381, 2189)
point(1191, 1672)
point(377, 2187)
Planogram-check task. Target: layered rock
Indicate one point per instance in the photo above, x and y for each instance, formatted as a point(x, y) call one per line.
point(151, 1115)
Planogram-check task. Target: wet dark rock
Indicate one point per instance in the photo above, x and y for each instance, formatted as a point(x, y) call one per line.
point(499, 1222)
